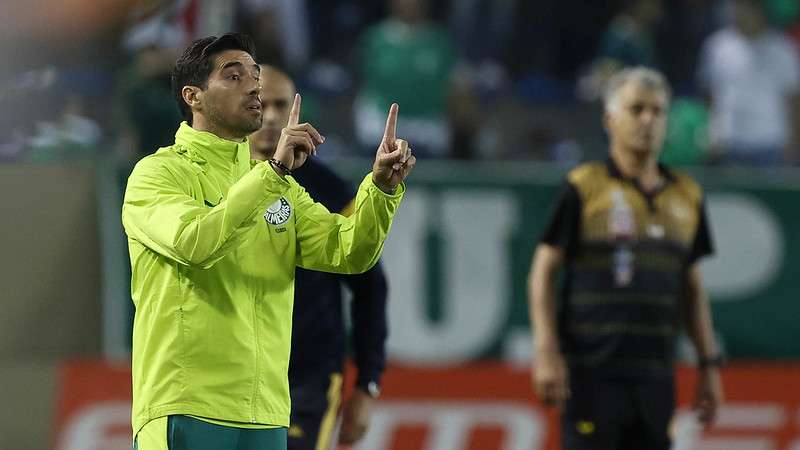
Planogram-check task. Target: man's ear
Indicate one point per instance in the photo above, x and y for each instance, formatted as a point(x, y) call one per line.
point(193, 96)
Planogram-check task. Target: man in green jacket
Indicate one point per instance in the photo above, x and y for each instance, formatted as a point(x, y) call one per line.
point(214, 240)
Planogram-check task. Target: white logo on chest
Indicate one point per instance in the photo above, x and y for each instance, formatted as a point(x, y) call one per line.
point(656, 231)
point(278, 213)
point(680, 210)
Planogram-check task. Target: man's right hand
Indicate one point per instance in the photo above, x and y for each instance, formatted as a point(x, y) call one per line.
point(297, 141)
point(551, 377)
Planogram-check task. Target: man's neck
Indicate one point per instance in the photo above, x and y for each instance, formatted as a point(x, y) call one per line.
point(643, 168)
point(200, 124)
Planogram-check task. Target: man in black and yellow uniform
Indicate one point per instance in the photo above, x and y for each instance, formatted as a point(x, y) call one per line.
point(629, 232)
point(318, 325)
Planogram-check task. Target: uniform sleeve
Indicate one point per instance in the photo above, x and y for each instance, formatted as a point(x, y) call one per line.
point(331, 242)
point(563, 229)
point(703, 244)
point(325, 186)
point(368, 314)
point(159, 212)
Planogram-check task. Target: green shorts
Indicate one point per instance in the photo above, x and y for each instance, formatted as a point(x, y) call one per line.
point(188, 433)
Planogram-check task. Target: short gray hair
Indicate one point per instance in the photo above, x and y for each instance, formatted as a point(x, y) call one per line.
point(646, 76)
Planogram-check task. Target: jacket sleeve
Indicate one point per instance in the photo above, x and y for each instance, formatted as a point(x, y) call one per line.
point(330, 242)
point(160, 212)
point(368, 314)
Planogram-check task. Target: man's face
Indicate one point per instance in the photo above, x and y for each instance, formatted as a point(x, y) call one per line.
point(277, 95)
point(637, 120)
point(230, 100)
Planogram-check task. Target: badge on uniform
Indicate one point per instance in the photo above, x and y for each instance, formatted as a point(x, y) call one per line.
point(278, 213)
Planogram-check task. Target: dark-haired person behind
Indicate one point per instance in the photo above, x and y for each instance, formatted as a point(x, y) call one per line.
point(318, 330)
point(214, 242)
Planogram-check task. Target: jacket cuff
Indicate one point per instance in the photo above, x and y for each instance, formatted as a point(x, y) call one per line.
point(370, 184)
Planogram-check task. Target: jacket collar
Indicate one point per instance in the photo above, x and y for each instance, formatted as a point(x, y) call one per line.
point(613, 171)
point(203, 147)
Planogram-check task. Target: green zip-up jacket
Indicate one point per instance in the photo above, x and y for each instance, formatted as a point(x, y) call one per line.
point(213, 246)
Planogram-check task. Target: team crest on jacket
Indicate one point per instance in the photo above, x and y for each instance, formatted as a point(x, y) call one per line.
point(278, 213)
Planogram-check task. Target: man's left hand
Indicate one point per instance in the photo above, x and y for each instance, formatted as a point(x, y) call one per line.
point(709, 395)
point(393, 160)
point(355, 417)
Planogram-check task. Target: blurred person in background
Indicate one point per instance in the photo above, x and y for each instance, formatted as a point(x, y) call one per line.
point(67, 133)
point(318, 325)
point(167, 24)
point(49, 121)
point(629, 233)
point(629, 40)
point(682, 30)
point(214, 243)
point(483, 30)
point(337, 24)
point(150, 118)
point(751, 75)
point(426, 87)
point(157, 32)
point(280, 29)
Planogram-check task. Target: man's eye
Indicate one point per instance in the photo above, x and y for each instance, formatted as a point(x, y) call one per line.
point(234, 77)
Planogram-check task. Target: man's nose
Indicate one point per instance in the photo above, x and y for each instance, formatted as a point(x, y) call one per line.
point(268, 113)
point(647, 117)
point(255, 87)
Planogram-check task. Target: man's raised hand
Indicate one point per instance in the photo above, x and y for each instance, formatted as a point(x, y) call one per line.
point(393, 160)
point(298, 140)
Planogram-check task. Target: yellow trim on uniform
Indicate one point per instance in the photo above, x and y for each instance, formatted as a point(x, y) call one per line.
point(585, 427)
point(329, 419)
point(153, 435)
point(296, 432)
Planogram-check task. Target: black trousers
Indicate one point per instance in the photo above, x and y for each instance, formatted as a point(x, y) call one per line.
point(607, 414)
point(315, 412)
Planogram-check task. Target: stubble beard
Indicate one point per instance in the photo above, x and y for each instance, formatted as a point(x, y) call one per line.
point(247, 126)
point(239, 127)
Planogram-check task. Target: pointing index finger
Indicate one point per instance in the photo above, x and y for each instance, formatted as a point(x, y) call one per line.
point(390, 133)
point(294, 115)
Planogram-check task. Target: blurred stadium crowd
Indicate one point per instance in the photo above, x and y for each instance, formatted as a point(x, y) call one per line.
point(475, 79)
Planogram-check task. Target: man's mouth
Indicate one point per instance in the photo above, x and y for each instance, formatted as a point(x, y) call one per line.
point(255, 106)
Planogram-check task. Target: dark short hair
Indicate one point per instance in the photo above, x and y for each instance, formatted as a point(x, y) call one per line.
point(194, 66)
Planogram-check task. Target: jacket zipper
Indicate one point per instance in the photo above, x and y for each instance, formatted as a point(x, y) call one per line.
point(258, 360)
point(233, 175)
